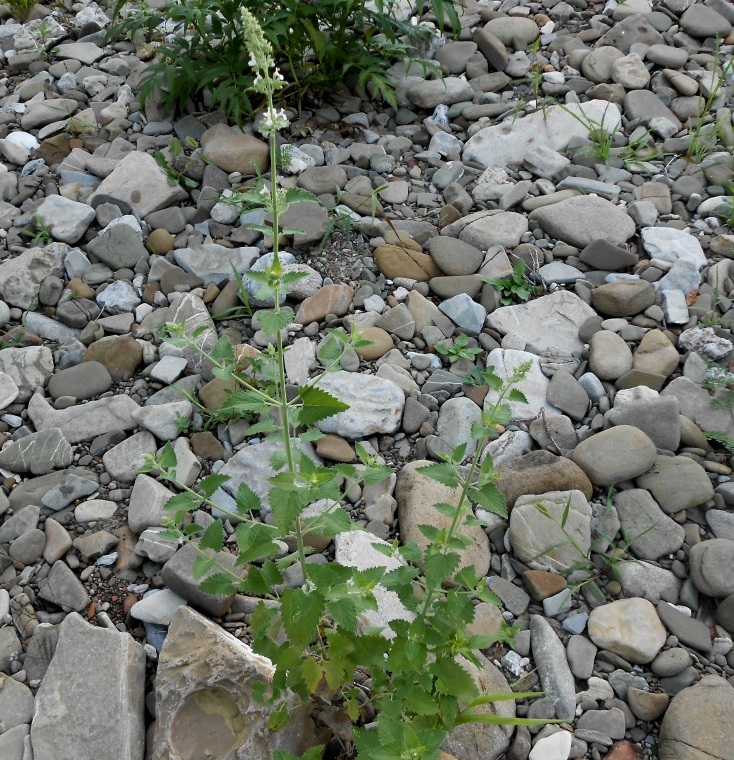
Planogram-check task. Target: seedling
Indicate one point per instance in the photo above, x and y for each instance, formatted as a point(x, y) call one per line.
point(459, 349)
point(516, 287)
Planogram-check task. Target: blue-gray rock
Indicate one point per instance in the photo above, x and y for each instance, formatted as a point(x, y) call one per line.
point(555, 675)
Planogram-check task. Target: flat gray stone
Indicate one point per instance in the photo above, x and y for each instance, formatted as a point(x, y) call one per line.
point(119, 246)
point(614, 455)
point(677, 483)
point(29, 368)
point(140, 183)
point(16, 703)
point(213, 263)
point(62, 588)
point(96, 681)
point(65, 219)
point(123, 462)
point(86, 421)
point(581, 220)
point(47, 446)
point(192, 311)
point(652, 532)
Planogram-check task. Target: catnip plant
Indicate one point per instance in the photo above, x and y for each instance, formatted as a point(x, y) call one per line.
point(399, 690)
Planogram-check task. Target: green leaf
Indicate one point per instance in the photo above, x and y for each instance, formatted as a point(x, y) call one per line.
point(489, 497)
point(449, 510)
point(299, 195)
point(213, 537)
point(315, 753)
point(517, 396)
point(439, 568)
point(202, 565)
point(247, 500)
point(273, 322)
point(167, 458)
point(301, 614)
point(256, 542)
point(318, 404)
point(441, 472)
point(209, 484)
point(218, 584)
point(311, 673)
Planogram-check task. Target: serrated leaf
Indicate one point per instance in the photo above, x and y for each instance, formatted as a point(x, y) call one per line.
point(290, 278)
point(181, 502)
point(301, 614)
point(439, 568)
point(209, 484)
point(256, 542)
point(299, 195)
point(202, 565)
point(431, 532)
point(311, 673)
point(441, 472)
point(167, 458)
point(272, 322)
point(449, 510)
point(318, 404)
point(517, 396)
point(489, 497)
point(247, 500)
point(213, 537)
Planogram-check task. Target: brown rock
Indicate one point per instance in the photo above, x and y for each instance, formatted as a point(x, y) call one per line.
point(159, 241)
point(214, 393)
point(335, 448)
point(206, 446)
point(119, 354)
point(622, 750)
point(540, 472)
point(362, 204)
point(402, 241)
point(647, 705)
point(623, 298)
point(80, 288)
point(54, 149)
point(656, 354)
point(232, 151)
point(381, 343)
point(331, 299)
point(541, 584)
point(394, 262)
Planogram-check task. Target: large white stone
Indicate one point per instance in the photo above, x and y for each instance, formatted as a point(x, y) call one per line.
point(669, 244)
point(375, 404)
point(549, 322)
point(510, 141)
point(138, 181)
point(630, 628)
point(21, 276)
point(65, 219)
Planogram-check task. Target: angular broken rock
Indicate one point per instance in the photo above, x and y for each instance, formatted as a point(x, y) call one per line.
point(91, 699)
point(204, 701)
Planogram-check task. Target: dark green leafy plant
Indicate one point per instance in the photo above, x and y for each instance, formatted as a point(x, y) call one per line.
point(176, 150)
point(319, 45)
point(516, 287)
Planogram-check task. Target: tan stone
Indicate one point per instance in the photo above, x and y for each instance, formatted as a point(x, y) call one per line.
point(381, 343)
point(334, 448)
point(204, 700)
point(630, 628)
point(394, 262)
point(540, 472)
point(330, 299)
point(232, 151)
point(159, 241)
point(656, 354)
point(120, 355)
point(416, 494)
